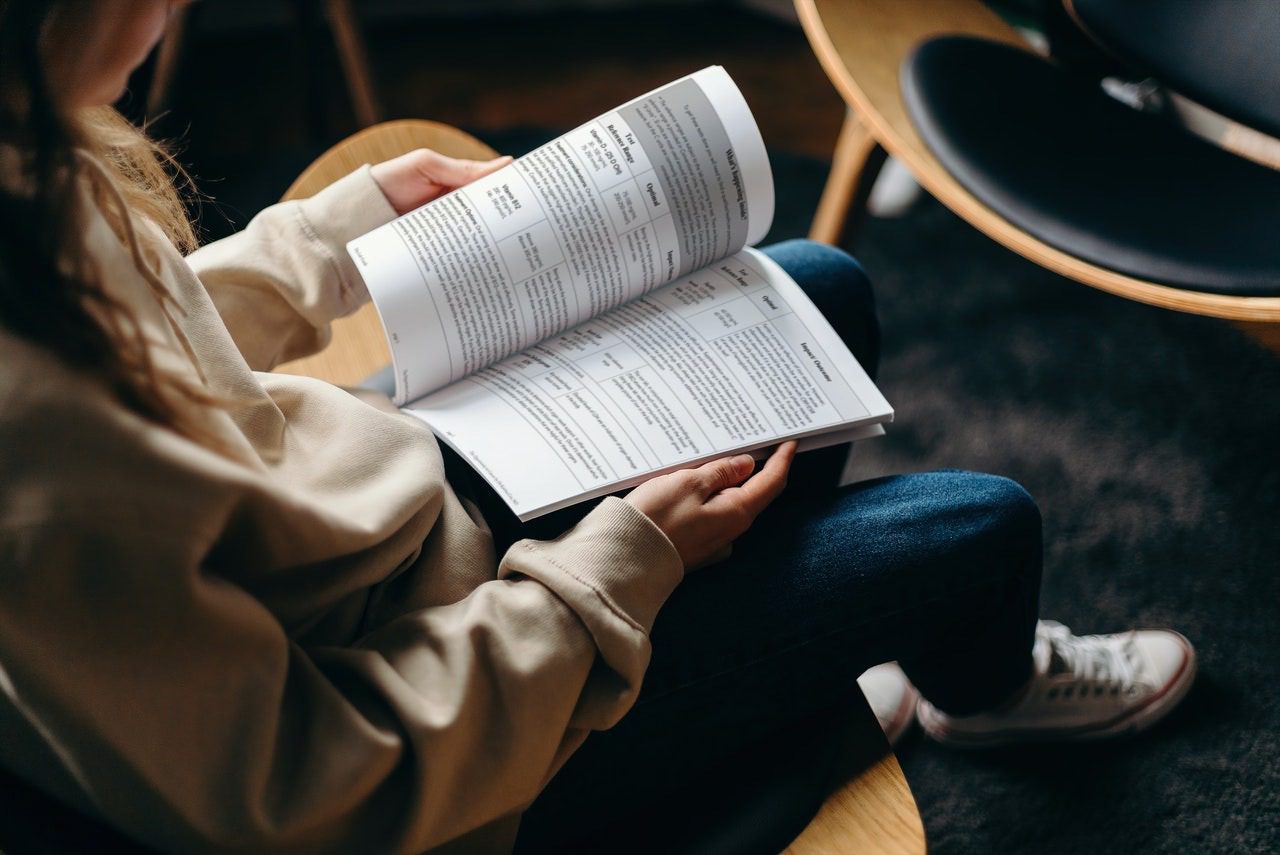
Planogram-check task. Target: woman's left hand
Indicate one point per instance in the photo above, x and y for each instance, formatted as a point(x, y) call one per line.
point(414, 179)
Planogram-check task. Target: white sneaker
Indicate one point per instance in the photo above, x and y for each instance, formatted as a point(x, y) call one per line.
point(1084, 687)
point(891, 697)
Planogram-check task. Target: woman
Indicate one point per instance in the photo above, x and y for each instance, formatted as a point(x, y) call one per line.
point(248, 610)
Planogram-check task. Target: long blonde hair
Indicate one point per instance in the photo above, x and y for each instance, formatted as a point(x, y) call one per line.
point(145, 171)
point(51, 291)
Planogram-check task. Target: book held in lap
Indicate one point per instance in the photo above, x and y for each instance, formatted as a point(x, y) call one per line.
point(593, 314)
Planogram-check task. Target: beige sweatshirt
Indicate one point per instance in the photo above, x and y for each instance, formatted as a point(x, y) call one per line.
point(306, 642)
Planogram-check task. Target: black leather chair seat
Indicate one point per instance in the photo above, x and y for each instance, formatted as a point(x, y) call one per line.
point(1221, 53)
point(1058, 158)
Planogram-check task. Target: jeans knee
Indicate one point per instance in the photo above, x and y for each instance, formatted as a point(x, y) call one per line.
point(978, 506)
point(825, 265)
point(1004, 505)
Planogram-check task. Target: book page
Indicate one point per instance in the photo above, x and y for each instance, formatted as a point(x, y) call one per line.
point(731, 358)
point(662, 186)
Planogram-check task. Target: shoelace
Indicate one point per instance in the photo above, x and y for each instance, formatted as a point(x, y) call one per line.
point(1091, 659)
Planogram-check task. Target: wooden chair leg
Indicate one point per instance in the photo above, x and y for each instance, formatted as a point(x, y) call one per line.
point(854, 167)
point(167, 59)
point(355, 61)
point(1268, 334)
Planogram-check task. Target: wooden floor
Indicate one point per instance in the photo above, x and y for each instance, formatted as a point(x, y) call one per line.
point(546, 71)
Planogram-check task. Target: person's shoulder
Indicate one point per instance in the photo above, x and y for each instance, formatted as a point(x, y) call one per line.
point(70, 450)
point(35, 385)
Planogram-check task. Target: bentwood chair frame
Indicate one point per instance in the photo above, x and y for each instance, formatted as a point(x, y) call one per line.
point(861, 44)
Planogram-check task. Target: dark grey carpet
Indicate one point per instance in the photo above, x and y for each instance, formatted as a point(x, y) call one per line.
point(1151, 441)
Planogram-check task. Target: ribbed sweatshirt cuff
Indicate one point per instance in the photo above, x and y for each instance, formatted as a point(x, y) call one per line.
point(615, 569)
point(345, 210)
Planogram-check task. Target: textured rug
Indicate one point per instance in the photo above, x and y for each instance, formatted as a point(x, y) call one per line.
point(1151, 441)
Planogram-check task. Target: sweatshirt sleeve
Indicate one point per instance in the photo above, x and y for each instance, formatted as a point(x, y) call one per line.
point(280, 282)
point(152, 685)
point(179, 709)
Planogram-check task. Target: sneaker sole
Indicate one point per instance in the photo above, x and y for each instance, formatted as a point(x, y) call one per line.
point(1135, 721)
point(903, 717)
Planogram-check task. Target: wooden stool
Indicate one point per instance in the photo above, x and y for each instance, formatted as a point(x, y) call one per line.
point(358, 348)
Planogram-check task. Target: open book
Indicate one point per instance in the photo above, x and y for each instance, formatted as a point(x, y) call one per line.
point(590, 315)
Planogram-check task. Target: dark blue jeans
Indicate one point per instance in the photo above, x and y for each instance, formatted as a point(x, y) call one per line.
point(940, 571)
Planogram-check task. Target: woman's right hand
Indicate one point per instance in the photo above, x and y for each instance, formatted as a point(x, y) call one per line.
point(702, 511)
